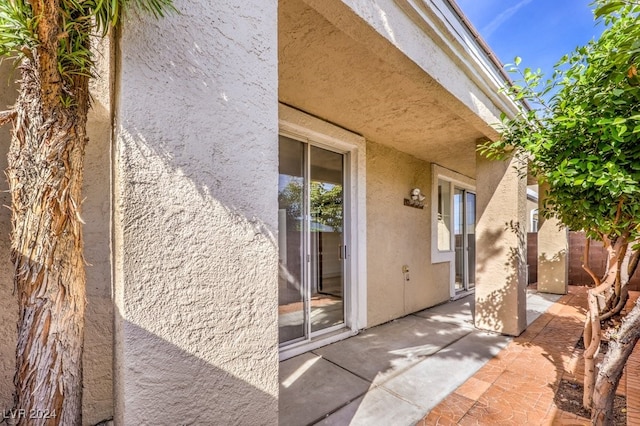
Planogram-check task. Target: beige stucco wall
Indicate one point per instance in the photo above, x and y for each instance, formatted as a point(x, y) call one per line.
point(408, 30)
point(553, 252)
point(8, 301)
point(501, 247)
point(98, 347)
point(195, 216)
point(368, 67)
point(398, 235)
point(97, 377)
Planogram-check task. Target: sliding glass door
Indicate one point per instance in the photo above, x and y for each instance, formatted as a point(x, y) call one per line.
point(464, 224)
point(311, 240)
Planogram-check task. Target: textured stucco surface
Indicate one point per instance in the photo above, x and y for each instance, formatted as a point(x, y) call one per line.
point(367, 67)
point(501, 248)
point(398, 235)
point(97, 359)
point(98, 348)
point(460, 93)
point(553, 252)
point(195, 213)
point(8, 302)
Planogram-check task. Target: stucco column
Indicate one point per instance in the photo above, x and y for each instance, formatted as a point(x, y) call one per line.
point(501, 247)
point(195, 172)
point(553, 247)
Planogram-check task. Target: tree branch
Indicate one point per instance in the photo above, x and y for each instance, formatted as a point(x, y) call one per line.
point(585, 263)
point(7, 116)
point(618, 211)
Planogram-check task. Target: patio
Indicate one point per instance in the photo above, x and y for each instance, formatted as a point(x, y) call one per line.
point(433, 368)
point(518, 386)
point(396, 373)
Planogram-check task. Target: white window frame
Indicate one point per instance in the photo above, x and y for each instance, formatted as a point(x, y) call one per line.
point(454, 179)
point(306, 128)
point(533, 221)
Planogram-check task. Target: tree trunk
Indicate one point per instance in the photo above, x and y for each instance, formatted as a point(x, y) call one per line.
point(591, 339)
point(45, 168)
point(633, 262)
point(616, 255)
point(611, 297)
point(611, 368)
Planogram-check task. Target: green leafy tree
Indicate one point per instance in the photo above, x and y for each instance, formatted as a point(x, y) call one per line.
point(581, 137)
point(50, 41)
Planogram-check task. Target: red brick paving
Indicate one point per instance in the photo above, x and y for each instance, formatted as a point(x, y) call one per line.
point(518, 385)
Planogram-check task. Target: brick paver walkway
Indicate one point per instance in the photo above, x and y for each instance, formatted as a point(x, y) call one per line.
point(518, 386)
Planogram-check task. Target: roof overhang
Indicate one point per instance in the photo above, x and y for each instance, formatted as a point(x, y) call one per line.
point(398, 72)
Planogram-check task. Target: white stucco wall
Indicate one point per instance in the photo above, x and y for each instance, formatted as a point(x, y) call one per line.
point(398, 235)
point(195, 216)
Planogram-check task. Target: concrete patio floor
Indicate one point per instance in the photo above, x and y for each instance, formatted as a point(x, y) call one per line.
point(395, 373)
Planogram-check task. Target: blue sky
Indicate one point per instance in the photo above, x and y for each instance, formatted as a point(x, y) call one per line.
point(539, 31)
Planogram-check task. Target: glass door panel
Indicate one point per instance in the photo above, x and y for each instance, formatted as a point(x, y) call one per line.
point(464, 225)
point(291, 240)
point(311, 240)
point(470, 207)
point(458, 228)
point(326, 236)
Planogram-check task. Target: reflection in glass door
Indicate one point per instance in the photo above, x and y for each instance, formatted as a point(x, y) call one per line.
point(327, 248)
point(464, 224)
point(311, 240)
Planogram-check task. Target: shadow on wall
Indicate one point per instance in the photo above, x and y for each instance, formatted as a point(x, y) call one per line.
point(186, 186)
point(198, 282)
point(498, 304)
point(183, 388)
point(552, 262)
point(195, 216)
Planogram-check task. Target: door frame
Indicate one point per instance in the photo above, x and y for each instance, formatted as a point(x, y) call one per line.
point(454, 179)
point(298, 125)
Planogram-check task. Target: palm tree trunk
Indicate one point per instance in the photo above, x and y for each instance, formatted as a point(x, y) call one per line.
point(45, 169)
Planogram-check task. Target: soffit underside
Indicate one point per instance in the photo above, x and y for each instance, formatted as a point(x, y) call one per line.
point(326, 73)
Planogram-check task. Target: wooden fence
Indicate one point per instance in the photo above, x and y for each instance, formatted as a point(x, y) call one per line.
point(577, 275)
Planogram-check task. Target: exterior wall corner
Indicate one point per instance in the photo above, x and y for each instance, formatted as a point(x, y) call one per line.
point(501, 247)
point(195, 216)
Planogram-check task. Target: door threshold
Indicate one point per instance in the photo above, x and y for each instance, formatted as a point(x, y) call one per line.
point(462, 294)
point(299, 348)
